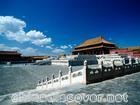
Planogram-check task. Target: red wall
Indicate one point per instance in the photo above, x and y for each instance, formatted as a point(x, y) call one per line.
point(125, 51)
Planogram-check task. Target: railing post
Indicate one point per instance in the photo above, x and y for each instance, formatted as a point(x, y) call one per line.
point(60, 75)
point(136, 60)
point(46, 82)
point(84, 72)
point(70, 71)
point(39, 83)
point(130, 61)
point(42, 83)
point(52, 79)
point(85, 63)
point(113, 64)
point(113, 68)
point(102, 64)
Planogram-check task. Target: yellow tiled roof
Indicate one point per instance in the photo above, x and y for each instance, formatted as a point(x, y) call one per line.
point(135, 48)
point(94, 41)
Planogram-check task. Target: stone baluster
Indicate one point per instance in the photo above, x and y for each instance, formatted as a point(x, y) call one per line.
point(52, 79)
point(42, 83)
point(85, 63)
point(102, 66)
point(39, 83)
point(136, 60)
point(123, 61)
point(60, 75)
point(70, 71)
point(84, 72)
point(130, 61)
point(47, 81)
point(113, 66)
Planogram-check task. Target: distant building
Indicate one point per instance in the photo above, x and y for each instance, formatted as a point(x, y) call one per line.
point(15, 57)
point(9, 56)
point(94, 46)
point(34, 58)
point(131, 51)
point(39, 57)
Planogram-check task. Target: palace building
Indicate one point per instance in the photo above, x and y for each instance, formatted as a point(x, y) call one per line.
point(9, 56)
point(16, 57)
point(96, 46)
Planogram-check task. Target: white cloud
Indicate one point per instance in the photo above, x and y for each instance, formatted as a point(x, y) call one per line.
point(58, 51)
point(70, 46)
point(30, 51)
point(9, 23)
point(43, 41)
point(13, 29)
point(19, 36)
point(33, 34)
point(3, 47)
point(63, 47)
point(66, 46)
point(49, 47)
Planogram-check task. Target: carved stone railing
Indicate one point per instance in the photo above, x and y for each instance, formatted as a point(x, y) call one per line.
point(90, 75)
point(77, 77)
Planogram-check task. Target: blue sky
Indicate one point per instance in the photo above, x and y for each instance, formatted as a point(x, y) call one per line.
point(51, 27)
